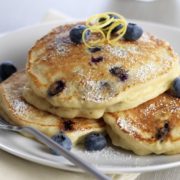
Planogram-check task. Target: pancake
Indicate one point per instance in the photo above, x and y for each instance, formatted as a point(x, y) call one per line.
point(128, 74)
point(44, 105)
point(153, 127)
point(16, 110)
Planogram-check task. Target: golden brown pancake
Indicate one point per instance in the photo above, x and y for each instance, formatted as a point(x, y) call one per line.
point(153, 127)
point(64, 112)
point(16, 110)
point(128, 74)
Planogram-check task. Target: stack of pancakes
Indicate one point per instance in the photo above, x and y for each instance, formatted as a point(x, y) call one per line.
point(122, 89)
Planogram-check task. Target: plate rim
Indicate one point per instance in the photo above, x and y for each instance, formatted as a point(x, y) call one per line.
point(61, 22)
point(105, 169)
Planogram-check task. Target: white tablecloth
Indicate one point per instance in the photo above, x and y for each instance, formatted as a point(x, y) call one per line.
point(14, 168)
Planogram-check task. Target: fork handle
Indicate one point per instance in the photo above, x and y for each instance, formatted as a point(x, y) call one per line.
point(68, 155)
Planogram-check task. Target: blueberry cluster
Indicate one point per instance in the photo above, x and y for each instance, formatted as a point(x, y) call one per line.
point(93, 142)
point(133, 33)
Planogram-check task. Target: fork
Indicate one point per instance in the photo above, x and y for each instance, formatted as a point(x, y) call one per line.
point(55, 146)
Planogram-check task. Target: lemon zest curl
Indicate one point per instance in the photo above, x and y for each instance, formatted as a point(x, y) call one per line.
point(104, 24)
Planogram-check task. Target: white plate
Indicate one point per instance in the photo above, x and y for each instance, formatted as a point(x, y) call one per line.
point(14, 46)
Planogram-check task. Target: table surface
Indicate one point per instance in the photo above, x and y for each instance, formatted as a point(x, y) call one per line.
point(18, 13)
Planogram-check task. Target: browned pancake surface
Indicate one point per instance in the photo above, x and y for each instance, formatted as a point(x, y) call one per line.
point(152, 121)
point(89, 84)
point(16, 110)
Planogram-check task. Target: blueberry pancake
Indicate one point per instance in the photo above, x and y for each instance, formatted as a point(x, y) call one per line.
point(64, 112)
point(111, 78)
point(16, 110)
point(152, 127)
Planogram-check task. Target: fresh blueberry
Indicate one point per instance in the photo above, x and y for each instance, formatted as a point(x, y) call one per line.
point(56, 88)
point(68, 125)
point(6, 70)
point(119, 72)
point(133, 32)
point(94, 49)
point(176, 87)
point(76, 34)
point(95, 142)
point(116, 29)
point(163, 131)
point(63, 140)
point(111, 16)
point(96, 59)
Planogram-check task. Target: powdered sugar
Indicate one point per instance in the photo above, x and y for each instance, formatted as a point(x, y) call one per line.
point(149, 109)
point(62, 47)
point(117, 51)
point(145, 71)
point(93, 91)
point(126, 125)
point(173, 106)
point(122, 52)
point(19, 106)
point(145, 37)
point(109, 153)
point(133, 49)
point(163, 104)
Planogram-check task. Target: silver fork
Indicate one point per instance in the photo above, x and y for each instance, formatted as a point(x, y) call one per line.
point(53, 145)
